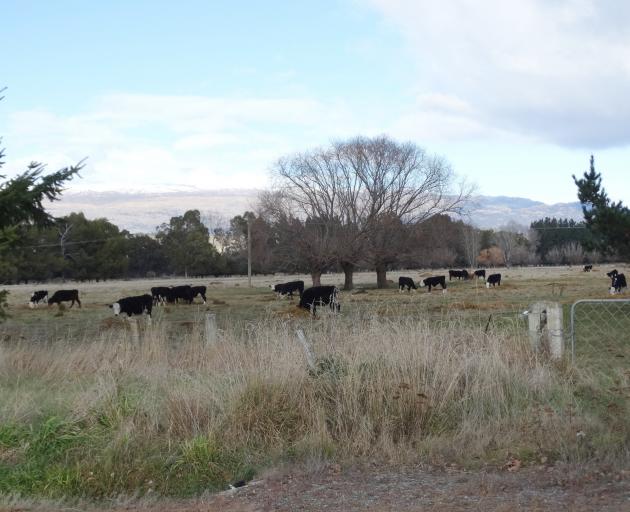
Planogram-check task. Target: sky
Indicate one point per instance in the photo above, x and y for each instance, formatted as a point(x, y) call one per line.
point(208, 95)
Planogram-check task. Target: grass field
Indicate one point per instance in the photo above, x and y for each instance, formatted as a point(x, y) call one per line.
point(233, 302)
point(398, 377)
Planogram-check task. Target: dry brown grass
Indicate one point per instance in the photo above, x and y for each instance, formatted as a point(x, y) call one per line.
point(389, 385)
point(385, 389)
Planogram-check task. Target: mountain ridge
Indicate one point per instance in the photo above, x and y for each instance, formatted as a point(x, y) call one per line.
point(142, 212)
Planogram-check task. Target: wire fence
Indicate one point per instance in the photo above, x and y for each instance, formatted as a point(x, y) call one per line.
point(50, 329)
point(599, 332)
point(596, 330)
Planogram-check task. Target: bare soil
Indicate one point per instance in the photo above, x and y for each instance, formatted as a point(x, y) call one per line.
point(413, 489)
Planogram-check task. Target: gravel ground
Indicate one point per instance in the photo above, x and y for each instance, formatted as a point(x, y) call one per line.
point(375, 488)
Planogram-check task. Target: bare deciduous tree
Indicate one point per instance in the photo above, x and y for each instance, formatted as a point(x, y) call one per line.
point(508, 238)
point(573, 253)
point(471, 240)
point(362, 191)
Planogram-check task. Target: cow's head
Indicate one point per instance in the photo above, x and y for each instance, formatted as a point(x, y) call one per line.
point(487, 285)
point(31, 304)
point(116, 307)
point(273, 287)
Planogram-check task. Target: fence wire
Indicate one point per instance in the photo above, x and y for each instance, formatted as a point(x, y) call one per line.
point(600, 331)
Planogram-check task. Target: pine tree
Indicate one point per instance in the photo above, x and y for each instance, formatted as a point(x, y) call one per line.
point(608, 222)
point(22, 202)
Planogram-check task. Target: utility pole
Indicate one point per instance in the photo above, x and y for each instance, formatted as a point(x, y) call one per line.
point(249, 251)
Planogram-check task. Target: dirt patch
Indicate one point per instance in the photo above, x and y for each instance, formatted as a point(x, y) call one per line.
point(218, 302)
point(294, 312)
point(108, 323)
point(418, 488)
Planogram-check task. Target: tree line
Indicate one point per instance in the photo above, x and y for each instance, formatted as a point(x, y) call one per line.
point(74, 247)
point(361, 204)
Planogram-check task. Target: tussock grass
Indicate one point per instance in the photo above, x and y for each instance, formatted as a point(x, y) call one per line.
point(106, 417)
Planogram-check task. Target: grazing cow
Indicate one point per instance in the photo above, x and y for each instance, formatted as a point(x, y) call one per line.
point(618, 283)
point(459, 274)
point(320, 295)
point(406, 282)
point(199, 290)
point(612, 274)
point(588, 268)
point(493, 279)
point(183, 292)
point(288, 288)
point(434, 281)
point(480, 273)
point(64, 296)
point(160, 294)
point(37, 297)
point(136, 305)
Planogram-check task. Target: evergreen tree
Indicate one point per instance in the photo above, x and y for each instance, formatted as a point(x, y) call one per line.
point(608, 222)
point(186, 245)
point(22, 203)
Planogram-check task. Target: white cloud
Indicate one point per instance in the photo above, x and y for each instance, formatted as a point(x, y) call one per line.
point(557, 70)
point(146, 141)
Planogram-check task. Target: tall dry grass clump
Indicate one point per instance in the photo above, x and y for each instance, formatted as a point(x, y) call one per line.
point(176, 416)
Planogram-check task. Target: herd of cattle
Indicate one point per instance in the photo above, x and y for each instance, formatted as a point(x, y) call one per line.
point(135, 305)
point(432, 282)
point(309, 298)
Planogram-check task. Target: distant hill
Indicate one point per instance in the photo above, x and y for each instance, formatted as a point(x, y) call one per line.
point(142, 212)
point(496, 211)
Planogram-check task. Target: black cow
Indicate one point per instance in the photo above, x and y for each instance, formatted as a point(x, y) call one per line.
point(183, 292)
point(133, 305)
point(588, 268)
point(64, 296)
point(612, 274)
point(618, 282)
point(37, 297)
point(493, 279)
point(199, 290)
point(459, 274)
point(160, 294)
point(320, 295)
point(288, 288)
point(406, 282)
point(434, 281)
point(480, 273)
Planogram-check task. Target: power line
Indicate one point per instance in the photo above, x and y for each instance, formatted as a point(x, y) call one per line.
point(77, 242)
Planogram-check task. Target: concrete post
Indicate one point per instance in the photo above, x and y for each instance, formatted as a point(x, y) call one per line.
point(555, 330)
point(211, 328)
point(310, 359)
point(546, 328)
point(535, 327)
point(135, 335)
